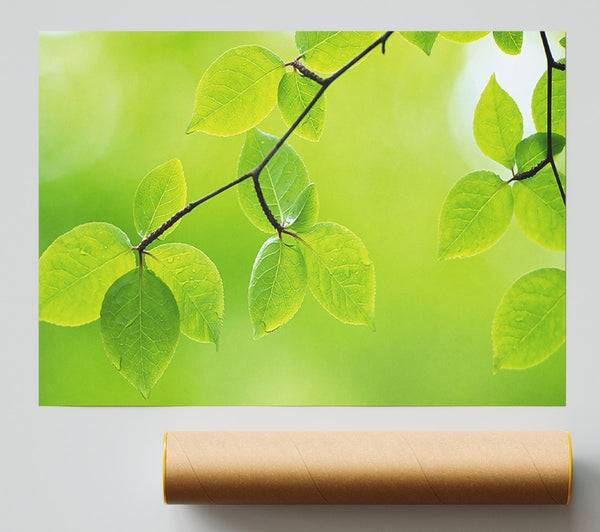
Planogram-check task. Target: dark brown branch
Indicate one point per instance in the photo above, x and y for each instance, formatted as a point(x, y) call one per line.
point(264, 205)
point(255, 174)
point(305, 71)
point(551, 65)
point(381, 41)
point(189, 207)
point(549, 159)
point(558, 183)
point(531, 172)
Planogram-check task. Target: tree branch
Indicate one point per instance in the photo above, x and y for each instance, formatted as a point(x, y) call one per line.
point(171, 221)
point(531, 172)
point(549, 159)
point(255, 174)
point(304, 70)
point(551, 65)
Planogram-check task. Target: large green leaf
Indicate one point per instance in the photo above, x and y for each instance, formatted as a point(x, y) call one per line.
point(159, 196)
point(341, 275)
point(327, 51)
point(509, 42)
point(197, 287)
point(539, 102)
point(295, 93)
point(540, 209)
point(282, 180)
point(139, 323)
point(237, 91)
point(78, 268)
point(529, 324)
point(463, 36)
point(303, 214)
point(498, 124)
point(421, 39)
point(277, 285)
point(532, 150)
point(475, 215)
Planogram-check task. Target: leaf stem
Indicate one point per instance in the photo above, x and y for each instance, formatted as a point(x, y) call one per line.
point(255, 174)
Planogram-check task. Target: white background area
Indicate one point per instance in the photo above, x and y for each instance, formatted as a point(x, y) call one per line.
point(99, 469)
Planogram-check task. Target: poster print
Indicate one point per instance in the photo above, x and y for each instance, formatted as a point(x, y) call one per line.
point(300, 219)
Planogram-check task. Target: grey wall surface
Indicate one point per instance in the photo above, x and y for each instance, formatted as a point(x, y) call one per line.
point(98, 469)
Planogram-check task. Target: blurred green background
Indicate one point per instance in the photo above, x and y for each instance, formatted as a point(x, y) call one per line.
point(397, 137)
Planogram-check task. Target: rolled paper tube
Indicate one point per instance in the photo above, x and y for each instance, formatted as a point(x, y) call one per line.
point(367, 467)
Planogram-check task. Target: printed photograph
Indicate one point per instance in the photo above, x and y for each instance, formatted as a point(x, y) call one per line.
point(302, 218)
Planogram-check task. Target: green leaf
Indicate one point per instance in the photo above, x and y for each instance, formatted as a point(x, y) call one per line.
point(529, 324)
point(498, 124)
point(78, 268)
point(540, 209)
point(295, 93)
point(475, 215)
point(159, 196)
point(539, 102)
point(563, 42)
point(237, 91)
point(421, 39)
point(463, 36)
point(532, 150)
point(303, 214)
point(509, 42)
point(139, 323)
point(197, 287)
point(341, 275)
point(277, 285)
point(327, 51)
point(282, 180)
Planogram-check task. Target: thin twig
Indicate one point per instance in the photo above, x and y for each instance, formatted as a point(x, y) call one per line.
point(255, 174)
point(551, 65)
point(531, 172)
point(304, 70)
point(171, 221)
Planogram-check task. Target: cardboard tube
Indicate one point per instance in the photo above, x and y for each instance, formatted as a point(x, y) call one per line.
point(367, 467)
